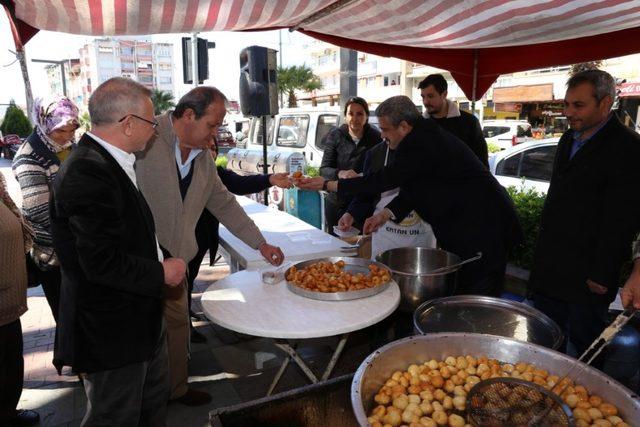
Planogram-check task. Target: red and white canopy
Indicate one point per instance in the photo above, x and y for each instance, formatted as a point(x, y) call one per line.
point(481, 38)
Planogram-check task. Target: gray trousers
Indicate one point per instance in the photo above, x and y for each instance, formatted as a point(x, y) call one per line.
point(134, 395)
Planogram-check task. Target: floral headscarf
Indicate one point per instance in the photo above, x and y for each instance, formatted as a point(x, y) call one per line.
point(54, 115)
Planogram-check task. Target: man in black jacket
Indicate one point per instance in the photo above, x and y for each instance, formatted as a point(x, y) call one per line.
point(433, 90)
point(447, 186)
point(111, 329)
point(591, 213)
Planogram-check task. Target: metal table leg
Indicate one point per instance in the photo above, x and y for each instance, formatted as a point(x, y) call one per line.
point(334, 358)
point(290, 350)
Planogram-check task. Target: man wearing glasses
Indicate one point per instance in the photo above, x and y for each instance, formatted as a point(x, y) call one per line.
point(114, 274)
point(178, 177)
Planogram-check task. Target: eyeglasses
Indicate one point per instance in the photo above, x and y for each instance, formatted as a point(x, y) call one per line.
point(153, 124)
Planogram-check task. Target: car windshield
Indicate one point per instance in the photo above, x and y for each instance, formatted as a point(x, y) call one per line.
point(490, 131)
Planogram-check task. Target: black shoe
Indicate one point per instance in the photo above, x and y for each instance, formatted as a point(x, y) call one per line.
point(196, 316)
point(194, 398)
point(197, 337)
point(25, 417)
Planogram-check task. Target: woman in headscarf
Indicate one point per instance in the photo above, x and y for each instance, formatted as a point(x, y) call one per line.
point(35, 166)
point(15, 242)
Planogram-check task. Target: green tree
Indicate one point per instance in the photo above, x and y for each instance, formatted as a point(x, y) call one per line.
point(583, 66)
point(85, 121)
point(297, 77)
point(15, 122)
point(162, 101)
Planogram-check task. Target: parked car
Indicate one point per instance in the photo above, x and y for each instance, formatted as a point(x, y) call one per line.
point(9, 145)
point(527, 165)
point(299, 129)
point(506, 133)
point(225, 139)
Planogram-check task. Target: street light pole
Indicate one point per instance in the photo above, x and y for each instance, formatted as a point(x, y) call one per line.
point(62, 70)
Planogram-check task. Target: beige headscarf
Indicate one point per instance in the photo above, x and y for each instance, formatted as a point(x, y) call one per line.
point(27, 231)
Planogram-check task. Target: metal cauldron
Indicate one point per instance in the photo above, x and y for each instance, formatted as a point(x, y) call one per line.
point(410, 268)
point(487, 315)
point(398, 355)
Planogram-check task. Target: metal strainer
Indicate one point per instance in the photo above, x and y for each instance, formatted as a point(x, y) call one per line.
point(510, 402)
point(516, 402)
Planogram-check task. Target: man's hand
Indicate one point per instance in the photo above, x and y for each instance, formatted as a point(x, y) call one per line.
point(312, 184)
point(272, 254)
point(345, 222)
point(631, 291)
point(347, 174)
point(596, 288)
point(281, 180)
point(375, 222)
point(174, 271)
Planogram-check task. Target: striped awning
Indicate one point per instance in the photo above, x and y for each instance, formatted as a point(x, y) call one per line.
point(458, 35)
point(416, 23)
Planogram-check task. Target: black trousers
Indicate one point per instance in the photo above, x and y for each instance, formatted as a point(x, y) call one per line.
point(207, 239)
point(581, 323)
point(131, 396)
point(50, 281)
point(11, 370)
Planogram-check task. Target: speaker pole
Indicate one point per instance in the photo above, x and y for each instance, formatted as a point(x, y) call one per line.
point(194, 59)
point(265, 166)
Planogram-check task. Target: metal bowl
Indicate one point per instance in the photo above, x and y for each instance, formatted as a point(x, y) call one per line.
point(409, 268)
point(487, 315)
point(352, 265)
point(398, 355)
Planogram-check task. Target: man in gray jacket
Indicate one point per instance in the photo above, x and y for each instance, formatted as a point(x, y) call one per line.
point(179, 180)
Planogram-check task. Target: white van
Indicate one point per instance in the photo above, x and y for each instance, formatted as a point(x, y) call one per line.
point(506, 133)
point(295, 129)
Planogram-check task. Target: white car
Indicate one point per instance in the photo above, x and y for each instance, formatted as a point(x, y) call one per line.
point(525, 166)
point(506, 133)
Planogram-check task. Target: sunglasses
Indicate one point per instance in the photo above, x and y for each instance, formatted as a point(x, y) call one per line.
point(153, 124)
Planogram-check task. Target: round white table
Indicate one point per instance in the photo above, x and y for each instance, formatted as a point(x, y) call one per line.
point(242, 303)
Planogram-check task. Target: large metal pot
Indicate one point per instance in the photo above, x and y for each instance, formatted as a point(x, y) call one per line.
point(487, 315)
point(410, 269)
point(398, 355)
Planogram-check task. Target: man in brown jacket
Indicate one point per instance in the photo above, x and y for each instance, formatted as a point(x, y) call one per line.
point(178, 178)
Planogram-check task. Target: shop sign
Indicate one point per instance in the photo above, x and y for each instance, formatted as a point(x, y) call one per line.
point(510, 107)
point(629, 89)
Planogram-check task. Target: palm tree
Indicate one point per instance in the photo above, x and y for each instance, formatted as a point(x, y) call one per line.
point(297, 77)
point(85, 121)
point(162, 101)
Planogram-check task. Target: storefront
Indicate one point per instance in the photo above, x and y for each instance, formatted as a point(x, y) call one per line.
point(629, 104)
point(534, 103)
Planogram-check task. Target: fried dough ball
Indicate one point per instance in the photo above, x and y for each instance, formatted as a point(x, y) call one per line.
point(434, 393)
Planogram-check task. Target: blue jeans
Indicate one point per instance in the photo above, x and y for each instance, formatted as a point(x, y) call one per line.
point(580, 323)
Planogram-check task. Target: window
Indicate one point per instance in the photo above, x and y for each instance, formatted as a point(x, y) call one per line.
point(509, 166)
point(326, 122)
point(524, 131)
point(490, 131)
point(292, 131)
point(256, 136)
point(537, 163)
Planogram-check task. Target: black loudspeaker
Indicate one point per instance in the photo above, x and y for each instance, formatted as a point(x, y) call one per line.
point(258, 85)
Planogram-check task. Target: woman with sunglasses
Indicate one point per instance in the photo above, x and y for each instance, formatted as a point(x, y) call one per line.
point(344, 149)
point(35, 166)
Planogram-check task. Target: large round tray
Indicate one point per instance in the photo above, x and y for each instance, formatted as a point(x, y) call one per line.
point(487, 315)
point(352, 265)
point(398, 355)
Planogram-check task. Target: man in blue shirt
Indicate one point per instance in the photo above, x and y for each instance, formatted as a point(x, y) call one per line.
point(591, 213)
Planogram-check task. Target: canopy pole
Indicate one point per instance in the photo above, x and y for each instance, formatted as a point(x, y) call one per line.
point(474, 86)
